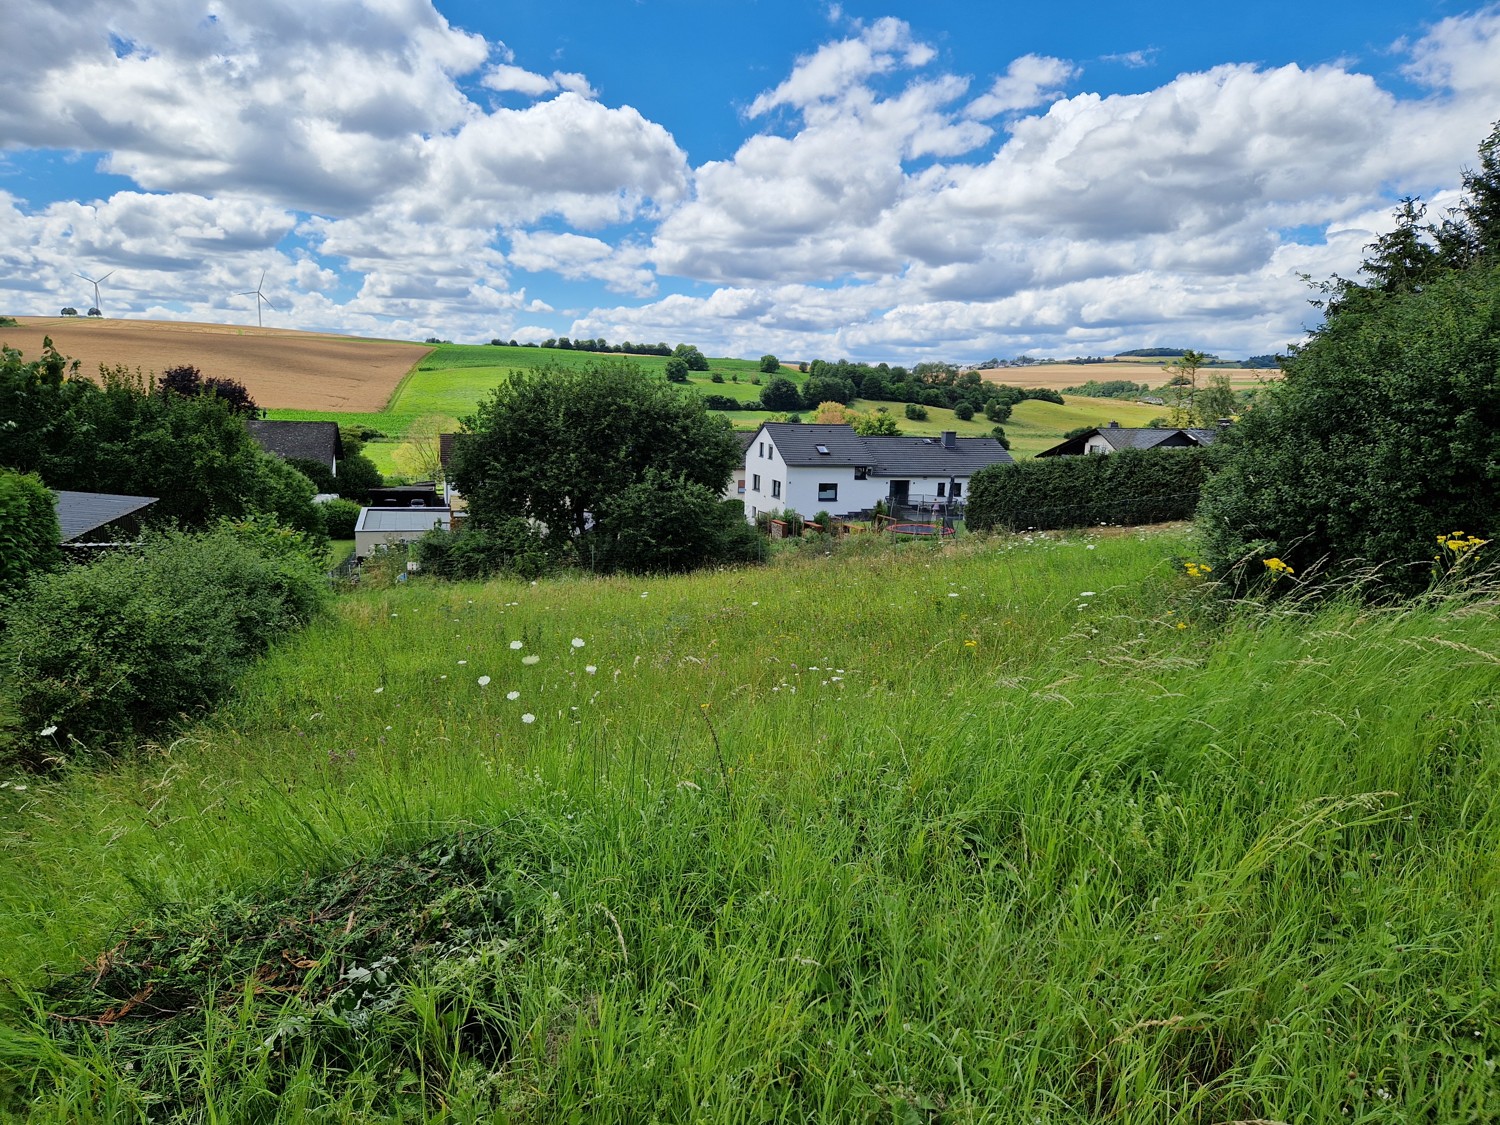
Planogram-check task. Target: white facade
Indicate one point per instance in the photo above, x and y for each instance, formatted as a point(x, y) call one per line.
point(773, 485)
point(388, 527)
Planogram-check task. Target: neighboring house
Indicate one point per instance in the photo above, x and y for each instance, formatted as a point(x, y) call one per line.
point(445, 455)
point(299, 441)
point(108, 514)
point(387, 527)
point(815, 468)
point(736, 488)
point(418, 494)
point(1115, 437)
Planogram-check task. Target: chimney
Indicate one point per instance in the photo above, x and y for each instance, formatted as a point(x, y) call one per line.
point(1113, 424)
point(950, 439)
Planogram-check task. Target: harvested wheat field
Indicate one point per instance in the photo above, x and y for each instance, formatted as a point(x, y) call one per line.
point(282, 369)
point(1056, 376)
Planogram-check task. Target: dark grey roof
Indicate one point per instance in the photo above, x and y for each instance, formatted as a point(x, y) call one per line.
point(1132, 437)
point(305, 441)
point(798, 444)
point(747, 437)
point(884, 456)
point(401, 519)
point(81, 512)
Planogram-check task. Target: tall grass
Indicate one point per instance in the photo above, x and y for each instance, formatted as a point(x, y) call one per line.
point(1006, 830)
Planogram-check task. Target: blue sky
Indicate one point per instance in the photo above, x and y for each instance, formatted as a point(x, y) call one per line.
point(899, 181)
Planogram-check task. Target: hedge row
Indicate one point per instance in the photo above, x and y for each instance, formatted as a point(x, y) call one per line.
point(1130, 487)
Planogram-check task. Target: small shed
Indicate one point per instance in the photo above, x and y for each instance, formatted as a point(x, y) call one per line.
point(388, 527)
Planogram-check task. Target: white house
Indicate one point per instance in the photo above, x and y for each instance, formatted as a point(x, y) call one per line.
point(811, 469)
point(1115, 437)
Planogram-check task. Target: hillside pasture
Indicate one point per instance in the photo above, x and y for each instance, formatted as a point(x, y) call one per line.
point(1011, 830)
point(282, 369)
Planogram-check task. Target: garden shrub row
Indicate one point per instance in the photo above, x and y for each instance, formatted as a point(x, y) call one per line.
point(29, 533)
point(96, 655)
point(1130, 487)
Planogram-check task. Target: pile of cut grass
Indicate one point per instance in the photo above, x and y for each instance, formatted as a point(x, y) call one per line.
point(997, 830)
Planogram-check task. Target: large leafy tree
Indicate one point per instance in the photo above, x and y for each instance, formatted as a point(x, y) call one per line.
point(564, 446)
point(1385, 433)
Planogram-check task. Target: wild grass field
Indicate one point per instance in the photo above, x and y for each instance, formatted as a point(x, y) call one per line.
point(1012, 830)
point(449, 383)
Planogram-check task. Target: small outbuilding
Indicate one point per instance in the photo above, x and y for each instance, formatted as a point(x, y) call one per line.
point(380, 528)
point(1115, 437)
point(299, 441)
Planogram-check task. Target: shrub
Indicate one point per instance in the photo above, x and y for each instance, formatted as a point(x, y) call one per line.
point(824, 520)
point(677, 370)
point(1044, 394)
point(722, 402)
point(997, 410)
point(964, 411)
point(1130, 487)
point(1384, 435)
point(665, 524)
point(780, 394)
point(916, 412)
point(115, 650)
point(339, 518)
point(511, 546)
point(29, 533)
point(770, 364)
point(716, 378)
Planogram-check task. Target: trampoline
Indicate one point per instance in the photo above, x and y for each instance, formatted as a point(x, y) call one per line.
point(918, 529)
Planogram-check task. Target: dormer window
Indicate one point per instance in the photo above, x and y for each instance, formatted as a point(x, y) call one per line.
point(822, 450)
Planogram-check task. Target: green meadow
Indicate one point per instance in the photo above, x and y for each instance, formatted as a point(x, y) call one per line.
point(451, 380)
point(1005, 830)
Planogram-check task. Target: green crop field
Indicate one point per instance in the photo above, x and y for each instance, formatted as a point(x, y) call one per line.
point(1004, 830)
point(451, 381)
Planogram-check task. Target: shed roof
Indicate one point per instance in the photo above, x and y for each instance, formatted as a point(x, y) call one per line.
point(1132, 437)
point(306, 441)
point(401, 519)
point(81, 512)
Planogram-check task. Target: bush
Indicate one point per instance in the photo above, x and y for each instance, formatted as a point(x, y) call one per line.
point(29, 534)
point(780, 394)
point(916, 412)
point(1384, 435)
point(511, 546)
point(964, 411)
point(664, 524)
point(716, 378)
point(1044, 394)
point(997, 410)
point(677, 370)
point(770, 364)
point(722, 402)
point(339, 518)
point(97, 655)
point(1130, 487)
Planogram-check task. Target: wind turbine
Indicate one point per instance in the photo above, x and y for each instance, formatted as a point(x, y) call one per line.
point(95, 283)
point(259, 297)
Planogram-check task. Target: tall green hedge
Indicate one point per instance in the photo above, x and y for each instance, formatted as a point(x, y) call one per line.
point(29, 534)
point(1130, 487)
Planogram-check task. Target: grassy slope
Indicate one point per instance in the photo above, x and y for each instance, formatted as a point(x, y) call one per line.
point(1110, 861)
point(455, 377)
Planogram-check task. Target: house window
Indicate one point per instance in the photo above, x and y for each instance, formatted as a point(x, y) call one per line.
point(762, 449)
point(941, 487)
point(958, 489)
point(741, 489)
point(755, 482)
point(827, 492)
point(775, 489)
point(861, 472)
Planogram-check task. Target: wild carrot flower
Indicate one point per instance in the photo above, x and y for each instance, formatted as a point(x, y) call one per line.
point(577, 642)
point(484, 681)
point(517, 645)
point(512, 695)
point(532, 659)
point(528, 717)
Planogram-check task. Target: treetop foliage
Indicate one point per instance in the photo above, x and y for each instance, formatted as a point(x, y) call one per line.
point(565, 446)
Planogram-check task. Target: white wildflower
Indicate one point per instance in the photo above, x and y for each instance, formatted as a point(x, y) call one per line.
point(590, 669)
point(513, 695)
point(528, 717)
point(484, 681)
point(516, 645)
point(577, 642)
point(47, 732)
point(532, 659)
